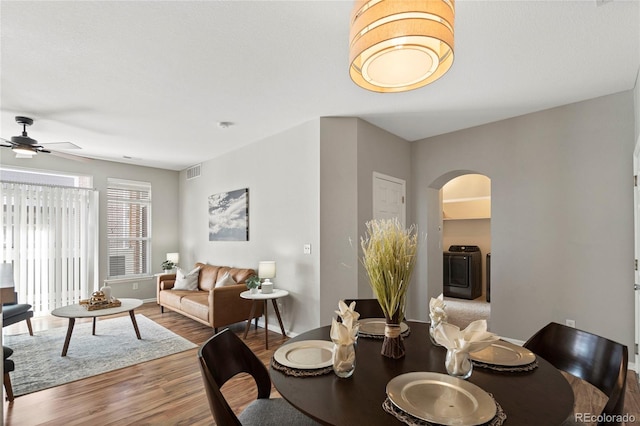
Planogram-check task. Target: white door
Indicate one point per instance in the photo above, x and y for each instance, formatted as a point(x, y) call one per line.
point(389, 198)
point(636, 214)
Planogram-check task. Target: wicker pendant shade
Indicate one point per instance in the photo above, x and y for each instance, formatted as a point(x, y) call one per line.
point(400, 45)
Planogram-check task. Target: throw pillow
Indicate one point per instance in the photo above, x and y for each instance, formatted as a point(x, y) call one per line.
point(187, 281)
point(225, 280)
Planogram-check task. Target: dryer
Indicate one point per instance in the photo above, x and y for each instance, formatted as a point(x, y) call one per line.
point(462, 272)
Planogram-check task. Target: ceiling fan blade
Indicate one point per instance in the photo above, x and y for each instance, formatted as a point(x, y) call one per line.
point(7, 141)
point(61, 145)
point(71, 156)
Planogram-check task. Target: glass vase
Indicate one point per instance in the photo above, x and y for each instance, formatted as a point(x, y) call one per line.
point(344, 360)
point(458, 364)
point(432, 332)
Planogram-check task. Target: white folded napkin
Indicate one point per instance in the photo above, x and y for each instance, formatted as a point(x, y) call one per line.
point(347, 331)
point(437, 312)
point(472, 339)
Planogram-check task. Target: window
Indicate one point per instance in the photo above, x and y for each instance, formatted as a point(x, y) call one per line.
point(128, 228)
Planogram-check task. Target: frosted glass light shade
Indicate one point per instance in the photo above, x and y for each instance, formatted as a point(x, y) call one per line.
point(267, 269)
point(173, 257)
point(396, 46)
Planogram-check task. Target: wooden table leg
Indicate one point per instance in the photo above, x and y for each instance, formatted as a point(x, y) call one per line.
point(266, 325)
point(93, 331)
point(72, 321)
point(253, 311)
point(135, 324)
point(275, 308)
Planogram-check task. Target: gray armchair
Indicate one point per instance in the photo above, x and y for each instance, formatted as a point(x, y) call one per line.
point(12, 311)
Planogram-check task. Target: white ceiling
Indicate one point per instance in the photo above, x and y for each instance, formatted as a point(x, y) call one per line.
point(150, 80)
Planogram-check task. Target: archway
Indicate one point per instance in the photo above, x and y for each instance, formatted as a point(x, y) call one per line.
point(465, 241)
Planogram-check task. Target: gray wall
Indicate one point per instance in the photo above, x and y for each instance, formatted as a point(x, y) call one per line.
point(636, 102)
point(282, 174)
point(164, 209)
point(351, 150)
point(378, 151)
point(338, 213)
point(562, 215)
point(306, 185)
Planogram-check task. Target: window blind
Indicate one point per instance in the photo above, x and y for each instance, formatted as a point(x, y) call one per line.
point(128, 228)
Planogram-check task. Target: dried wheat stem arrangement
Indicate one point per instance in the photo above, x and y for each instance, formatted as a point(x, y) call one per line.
point(389, 255)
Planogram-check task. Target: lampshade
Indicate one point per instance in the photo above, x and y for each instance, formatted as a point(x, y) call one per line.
point(396, 46)
point(267, 269)
point(173, 257)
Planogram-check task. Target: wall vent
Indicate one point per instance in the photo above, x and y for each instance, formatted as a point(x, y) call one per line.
point(193, 172)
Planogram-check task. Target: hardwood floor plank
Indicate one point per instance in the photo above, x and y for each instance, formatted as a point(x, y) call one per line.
point(166, 391)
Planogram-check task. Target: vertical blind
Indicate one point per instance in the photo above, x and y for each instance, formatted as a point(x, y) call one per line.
point(50, 233)
point(128, 228)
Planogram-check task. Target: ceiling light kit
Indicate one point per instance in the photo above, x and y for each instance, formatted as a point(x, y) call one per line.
point(397, 46)
point(25, 147)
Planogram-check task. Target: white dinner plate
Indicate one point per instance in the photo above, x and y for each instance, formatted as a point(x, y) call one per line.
point(306, 354)
point(440, 398)
point(375, 326)
point(505, 354)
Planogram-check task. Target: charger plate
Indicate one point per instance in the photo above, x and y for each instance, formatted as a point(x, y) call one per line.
point(305, 354)
point(375, 326)
point(504, 353)
point(440, 398)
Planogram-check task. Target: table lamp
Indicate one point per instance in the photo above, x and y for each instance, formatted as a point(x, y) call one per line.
point(173, 257)
point(267, 270)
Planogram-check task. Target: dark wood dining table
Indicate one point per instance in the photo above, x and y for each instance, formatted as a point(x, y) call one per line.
point(538, 397)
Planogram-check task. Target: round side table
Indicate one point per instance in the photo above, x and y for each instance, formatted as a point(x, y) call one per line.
point(260, 297)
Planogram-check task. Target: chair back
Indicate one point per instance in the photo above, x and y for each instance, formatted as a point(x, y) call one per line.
point(222, 357)
point(367, 308)
point(597, 360)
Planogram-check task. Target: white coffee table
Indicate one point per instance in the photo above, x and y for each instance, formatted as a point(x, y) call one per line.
point(78, 311)
point(264, 297)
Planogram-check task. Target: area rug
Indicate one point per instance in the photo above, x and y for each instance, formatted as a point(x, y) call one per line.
point(40, 366)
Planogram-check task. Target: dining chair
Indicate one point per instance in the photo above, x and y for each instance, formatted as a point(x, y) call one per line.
point(594, 359)
point(221, 358)
point(367, 308)
point(8, 366)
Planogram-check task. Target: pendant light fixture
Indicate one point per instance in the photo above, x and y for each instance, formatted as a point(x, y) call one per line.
point(400, 45)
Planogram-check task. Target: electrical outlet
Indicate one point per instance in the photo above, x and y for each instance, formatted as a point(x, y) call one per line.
point(306, 249)
point(135, 286)
point(570, 323)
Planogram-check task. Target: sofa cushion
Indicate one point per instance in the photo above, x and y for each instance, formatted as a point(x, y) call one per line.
point(196, 304)
point(210, 275)
point(187, 281)
point(225, 280)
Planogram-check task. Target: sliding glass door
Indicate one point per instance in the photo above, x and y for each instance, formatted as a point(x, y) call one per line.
point(50, 235)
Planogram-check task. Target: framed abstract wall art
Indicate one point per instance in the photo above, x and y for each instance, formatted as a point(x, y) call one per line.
point(229, 216)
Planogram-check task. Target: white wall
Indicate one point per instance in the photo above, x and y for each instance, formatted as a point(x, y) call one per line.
point(562, 214)
point(164, 209)
point(282, 174)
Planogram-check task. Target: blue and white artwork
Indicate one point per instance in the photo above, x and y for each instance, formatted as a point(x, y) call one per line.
point(229, 216)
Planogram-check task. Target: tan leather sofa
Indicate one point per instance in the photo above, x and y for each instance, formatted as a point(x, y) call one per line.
point(209, 305)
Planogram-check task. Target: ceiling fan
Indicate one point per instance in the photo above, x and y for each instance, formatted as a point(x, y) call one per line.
point(25, 147)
